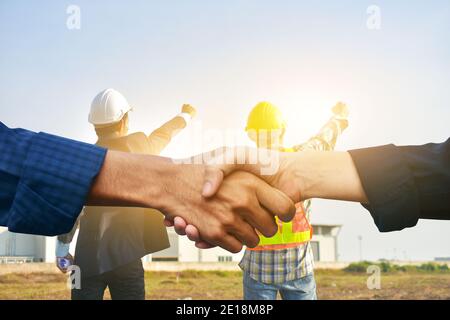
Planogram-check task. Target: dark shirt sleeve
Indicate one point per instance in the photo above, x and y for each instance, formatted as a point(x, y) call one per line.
point(68, 237)
point(44, 180)
point(404, 184)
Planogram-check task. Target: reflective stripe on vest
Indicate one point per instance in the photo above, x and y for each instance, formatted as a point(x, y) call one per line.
point(289, 234)
point(286, 236)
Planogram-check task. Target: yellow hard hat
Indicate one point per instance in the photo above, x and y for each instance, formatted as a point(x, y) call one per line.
point(265, 116)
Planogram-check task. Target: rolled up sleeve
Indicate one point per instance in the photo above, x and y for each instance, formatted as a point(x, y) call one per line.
point(389, 185)
point(53, 178)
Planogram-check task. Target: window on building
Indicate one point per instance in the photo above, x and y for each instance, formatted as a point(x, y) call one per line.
point(169, 254)
point(323, 230)
point(326, 231)
point(225, 258)
point(164, 259)
point(317, 230)
point(315, 250)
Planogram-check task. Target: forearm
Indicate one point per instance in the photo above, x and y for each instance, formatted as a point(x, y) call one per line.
point(68, 237)
point(130, 180)
point(161, 137)
point(327, 175)
point(170, 128)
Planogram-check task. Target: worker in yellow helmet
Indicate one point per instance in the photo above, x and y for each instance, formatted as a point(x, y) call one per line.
point(284, 262)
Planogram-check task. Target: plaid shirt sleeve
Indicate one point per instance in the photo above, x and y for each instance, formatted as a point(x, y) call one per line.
point(44, 180)
point(325, 139)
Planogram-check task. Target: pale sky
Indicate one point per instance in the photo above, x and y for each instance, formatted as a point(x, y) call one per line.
point(225, 57)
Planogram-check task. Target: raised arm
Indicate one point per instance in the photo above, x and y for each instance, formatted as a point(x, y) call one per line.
point(162, 136)
point(326, 138)
point(68, 237)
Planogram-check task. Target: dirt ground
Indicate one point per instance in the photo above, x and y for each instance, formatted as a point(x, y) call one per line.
point(332, 284)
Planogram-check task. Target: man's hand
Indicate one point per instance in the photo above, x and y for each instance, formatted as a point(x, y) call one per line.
point(228, 160)
point(227, 219)
point(301, 175)
point(187, 108)
point(284, 179)
point(63, 263)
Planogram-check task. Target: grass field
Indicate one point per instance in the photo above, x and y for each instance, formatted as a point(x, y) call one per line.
point(332, 284)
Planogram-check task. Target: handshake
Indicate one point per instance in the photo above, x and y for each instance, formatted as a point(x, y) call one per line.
point(222, 198)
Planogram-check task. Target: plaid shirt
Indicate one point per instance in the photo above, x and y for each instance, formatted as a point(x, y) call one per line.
point(44, 180)
point(279, 266)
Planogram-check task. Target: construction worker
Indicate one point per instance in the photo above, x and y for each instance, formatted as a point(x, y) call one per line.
point(284, 262)
point(112, 240)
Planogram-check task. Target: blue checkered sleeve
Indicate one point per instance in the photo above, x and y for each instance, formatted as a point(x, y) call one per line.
point(44, 180)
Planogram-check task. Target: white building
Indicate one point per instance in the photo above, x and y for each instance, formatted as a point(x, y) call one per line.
point(15, 247)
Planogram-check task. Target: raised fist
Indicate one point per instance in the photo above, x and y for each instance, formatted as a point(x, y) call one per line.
point(340, 110)
point(187, 108)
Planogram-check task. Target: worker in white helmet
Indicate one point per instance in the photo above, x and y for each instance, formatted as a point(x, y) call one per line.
point(112, 240)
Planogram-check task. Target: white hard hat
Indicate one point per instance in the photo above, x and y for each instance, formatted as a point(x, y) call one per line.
point(108, 107)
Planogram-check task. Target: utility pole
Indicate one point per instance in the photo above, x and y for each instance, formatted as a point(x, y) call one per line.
point(200, 255)
point(360, 248)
